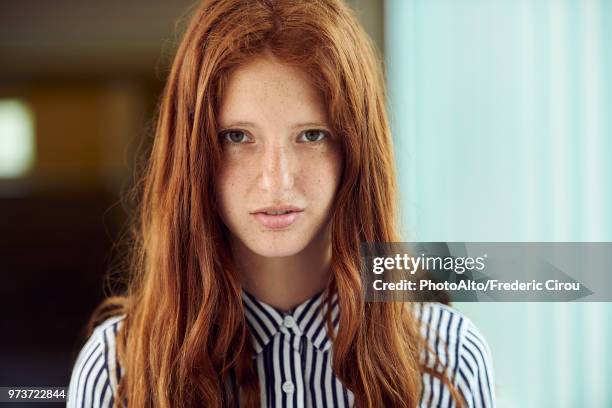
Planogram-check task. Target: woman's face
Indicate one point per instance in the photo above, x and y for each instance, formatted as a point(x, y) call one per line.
point(281, 163)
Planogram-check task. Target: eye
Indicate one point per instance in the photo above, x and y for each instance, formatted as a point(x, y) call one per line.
point(234, 136)
point(313, 135)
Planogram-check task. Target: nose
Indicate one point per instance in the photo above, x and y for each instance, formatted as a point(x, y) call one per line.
point(277, 169)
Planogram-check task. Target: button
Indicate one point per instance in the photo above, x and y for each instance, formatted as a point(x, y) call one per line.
point(288, 387)
point(288, 321)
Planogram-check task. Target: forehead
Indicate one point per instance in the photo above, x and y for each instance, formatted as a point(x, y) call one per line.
point(265, 88)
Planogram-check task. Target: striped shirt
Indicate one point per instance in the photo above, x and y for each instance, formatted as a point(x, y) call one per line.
point(293, 356)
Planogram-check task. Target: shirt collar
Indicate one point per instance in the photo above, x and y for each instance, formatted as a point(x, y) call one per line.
point(306, 319)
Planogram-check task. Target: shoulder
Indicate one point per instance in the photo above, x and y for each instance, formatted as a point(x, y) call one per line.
point(96, 371)
point(463, 352)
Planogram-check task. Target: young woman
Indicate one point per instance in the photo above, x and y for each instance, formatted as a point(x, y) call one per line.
point(272, 161)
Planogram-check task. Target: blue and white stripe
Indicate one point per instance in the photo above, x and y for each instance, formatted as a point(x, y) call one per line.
point(462, 351)
point(293, 353)
point(96, 370)
point(293, 356)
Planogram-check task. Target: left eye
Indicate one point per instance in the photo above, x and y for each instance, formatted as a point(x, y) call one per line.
point(313, 135)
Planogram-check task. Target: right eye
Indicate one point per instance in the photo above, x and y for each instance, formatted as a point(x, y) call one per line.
point(235, 136)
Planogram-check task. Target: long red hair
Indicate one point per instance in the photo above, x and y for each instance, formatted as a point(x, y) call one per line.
point(185, 331)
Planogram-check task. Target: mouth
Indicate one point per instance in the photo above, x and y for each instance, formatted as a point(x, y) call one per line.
point(276, 218)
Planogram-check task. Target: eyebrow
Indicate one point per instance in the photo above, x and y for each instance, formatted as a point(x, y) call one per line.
point(295, 126)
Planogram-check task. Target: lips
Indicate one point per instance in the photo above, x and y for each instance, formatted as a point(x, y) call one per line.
point(277, 217)
point(278, 208)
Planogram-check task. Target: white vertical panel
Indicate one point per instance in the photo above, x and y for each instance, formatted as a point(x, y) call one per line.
point(454, 72)
point(596, 149)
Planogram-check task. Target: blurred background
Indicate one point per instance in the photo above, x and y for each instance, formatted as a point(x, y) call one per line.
point(502, 118)
point(79, 82)
point(501, 114)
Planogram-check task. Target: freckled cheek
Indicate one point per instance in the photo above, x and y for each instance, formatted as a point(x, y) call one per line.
point(229, 188)
point(321, 173)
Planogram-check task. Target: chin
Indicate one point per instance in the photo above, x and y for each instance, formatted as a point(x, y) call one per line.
point(277, 249)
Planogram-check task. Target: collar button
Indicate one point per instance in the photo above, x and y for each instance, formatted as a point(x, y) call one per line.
point(288, 321)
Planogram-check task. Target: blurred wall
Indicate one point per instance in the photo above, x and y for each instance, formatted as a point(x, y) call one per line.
point(501, 119)
point(88, 74)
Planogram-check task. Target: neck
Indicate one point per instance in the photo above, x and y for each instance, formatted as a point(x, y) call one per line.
point(285, 282)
